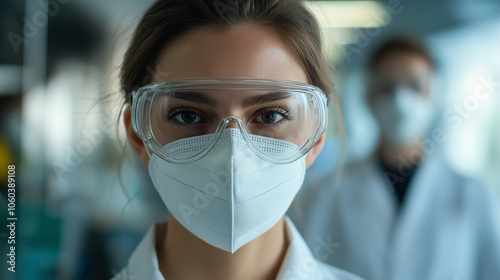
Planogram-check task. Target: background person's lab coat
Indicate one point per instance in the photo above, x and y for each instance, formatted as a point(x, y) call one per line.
point(448, 227)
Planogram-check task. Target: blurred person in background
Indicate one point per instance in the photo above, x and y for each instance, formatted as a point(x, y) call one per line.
point(403, 213)
point(226, 154)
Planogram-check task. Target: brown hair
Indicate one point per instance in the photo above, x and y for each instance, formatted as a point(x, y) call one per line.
point(400, 44)
point(165, 20)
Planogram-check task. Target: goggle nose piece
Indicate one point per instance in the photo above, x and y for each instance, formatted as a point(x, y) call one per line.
point(231, 122)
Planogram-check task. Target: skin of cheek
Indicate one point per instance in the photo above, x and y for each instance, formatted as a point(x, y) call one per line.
point(135, 142)
point(313, 153)
point(138, 146)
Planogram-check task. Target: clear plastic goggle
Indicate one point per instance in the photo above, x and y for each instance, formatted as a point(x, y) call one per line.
point(292, 114)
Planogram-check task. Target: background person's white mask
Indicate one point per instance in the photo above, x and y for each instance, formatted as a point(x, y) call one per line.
point(230, 196)
point(404, 116)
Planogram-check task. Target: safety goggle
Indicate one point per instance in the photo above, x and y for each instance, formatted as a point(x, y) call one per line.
point(169, 114)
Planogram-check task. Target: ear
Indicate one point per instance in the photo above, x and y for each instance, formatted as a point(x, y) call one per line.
point(313, 153)
point(134, 140)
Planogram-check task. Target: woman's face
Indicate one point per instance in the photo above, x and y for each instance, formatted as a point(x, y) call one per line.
point(244, 51)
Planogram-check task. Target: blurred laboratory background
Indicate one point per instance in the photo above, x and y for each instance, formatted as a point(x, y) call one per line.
point(84, 200)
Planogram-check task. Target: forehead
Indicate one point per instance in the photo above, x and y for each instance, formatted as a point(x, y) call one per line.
point(243, 51)
point(401, 64)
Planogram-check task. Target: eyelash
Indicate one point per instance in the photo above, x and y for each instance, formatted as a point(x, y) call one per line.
point(276, 109)
point(176, 111)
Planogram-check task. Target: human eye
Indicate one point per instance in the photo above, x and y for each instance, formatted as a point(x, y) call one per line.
point(185, 116)
point(274, 115)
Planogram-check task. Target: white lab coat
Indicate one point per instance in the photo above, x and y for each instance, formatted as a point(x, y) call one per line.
point(298, 264)
point(447, 229)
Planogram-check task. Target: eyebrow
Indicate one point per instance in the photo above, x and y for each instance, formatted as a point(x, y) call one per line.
point(210, 101)
point(195, 97)
point(265, 98)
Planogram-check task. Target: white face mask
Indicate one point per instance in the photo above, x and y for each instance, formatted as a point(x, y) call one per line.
point(230, 196)
point(404, 116)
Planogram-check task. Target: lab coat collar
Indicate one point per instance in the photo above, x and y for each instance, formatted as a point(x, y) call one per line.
point(143, 263)
point(298, 263)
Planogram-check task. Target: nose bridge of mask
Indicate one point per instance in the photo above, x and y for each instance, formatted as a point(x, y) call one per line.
point(231, 163)
point(401, 97)
point(405, 116)
point(244, 162)
point(408, 100)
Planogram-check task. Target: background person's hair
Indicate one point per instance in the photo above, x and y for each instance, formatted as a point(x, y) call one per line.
point(400, 44)
point(165, 20)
